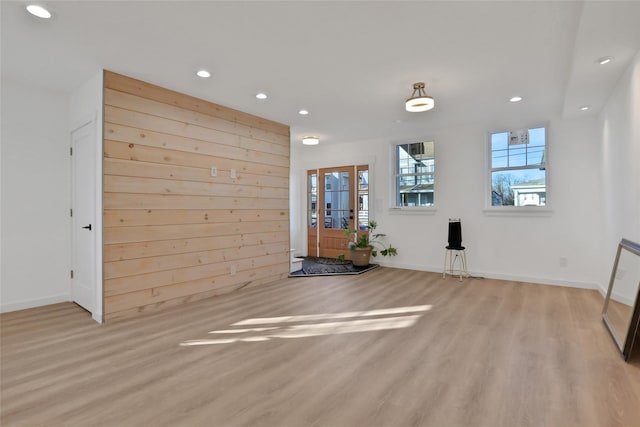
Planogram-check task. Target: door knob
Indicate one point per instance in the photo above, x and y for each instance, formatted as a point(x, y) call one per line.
point(88, 227)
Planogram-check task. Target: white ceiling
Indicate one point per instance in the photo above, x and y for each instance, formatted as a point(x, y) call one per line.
point(351, 64)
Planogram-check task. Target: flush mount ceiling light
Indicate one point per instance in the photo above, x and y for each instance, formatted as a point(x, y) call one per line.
point(584, 108)
point(310, 140)
point(261, 95)
point(303, 112)
point(419, 100)
point(39, 11)
point(604, 60)
point(204, 74)
point(515, 99)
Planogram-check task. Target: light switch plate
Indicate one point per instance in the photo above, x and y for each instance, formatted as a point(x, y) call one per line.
point(214, 171)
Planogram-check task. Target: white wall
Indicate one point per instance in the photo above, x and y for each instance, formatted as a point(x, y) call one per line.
point(35, 197)
point(519, 247)
point(619, 128)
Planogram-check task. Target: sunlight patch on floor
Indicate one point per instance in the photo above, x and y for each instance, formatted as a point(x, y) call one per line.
point(317, 328)
point(329, 316)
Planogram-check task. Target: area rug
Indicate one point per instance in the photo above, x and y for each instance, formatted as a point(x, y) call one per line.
point(314, 266)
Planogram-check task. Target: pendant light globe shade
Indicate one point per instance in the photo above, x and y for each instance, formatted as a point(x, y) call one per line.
point(419, 100)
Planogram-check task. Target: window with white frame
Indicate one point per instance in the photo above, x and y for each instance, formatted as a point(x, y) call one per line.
point(414, 174)
point(518, 167)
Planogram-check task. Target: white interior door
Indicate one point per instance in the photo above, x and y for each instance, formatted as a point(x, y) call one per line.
point(83, 231)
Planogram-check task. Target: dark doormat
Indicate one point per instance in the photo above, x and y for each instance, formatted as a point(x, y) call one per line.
point(313, 266)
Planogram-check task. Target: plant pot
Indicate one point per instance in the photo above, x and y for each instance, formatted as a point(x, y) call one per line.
point(360, 256)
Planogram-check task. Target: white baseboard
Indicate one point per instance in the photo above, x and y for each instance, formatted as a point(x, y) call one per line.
point(602, 290)
point(619, 297)
point(21, 305)
point(499, 276)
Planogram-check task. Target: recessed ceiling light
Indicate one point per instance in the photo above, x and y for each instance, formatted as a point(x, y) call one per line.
point(515, 99)
point(38, 11)
point(310, 140)
point(204, 74)
point(604, 60)
point(585, 107)
point(303, 112)
point(261, 95)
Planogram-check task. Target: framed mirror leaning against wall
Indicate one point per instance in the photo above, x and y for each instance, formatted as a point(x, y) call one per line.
point(621, 312)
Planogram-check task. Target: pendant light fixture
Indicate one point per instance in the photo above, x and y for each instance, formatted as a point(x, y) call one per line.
point(419, 100)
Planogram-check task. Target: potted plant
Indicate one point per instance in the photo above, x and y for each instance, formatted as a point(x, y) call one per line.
point(367, 244)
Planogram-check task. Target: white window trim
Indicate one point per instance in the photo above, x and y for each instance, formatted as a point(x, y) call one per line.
point(531, 211)
point(409, 210)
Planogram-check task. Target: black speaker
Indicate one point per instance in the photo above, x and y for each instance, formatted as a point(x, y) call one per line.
point(455, 235)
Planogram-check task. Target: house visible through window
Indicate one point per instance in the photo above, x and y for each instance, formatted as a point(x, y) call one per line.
point(363, 197)
point(414, 174)
point(518, 168)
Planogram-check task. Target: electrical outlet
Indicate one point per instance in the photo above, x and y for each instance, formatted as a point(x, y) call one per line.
point(564, 262)
point(232, 270)
point(214, 171)
point(232, 173)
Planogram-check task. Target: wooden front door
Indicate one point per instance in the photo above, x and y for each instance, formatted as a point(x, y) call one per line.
point(331, 208)
point(336, 210)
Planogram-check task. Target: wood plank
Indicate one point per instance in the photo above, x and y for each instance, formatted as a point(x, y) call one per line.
point(220, 289)
point(147, 122)
point(146, 284)
point(136, 103)
point(129, 184)
point(149, 138)
point(150, 91)
point(184, 231)
point(136, 250)
point(128, 218)
point(122, 150)
point(163, 171)
point(169, 262)
point(145, 297)
point(173, 201)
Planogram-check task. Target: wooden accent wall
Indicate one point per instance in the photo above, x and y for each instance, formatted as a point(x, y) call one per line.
point(172, 232)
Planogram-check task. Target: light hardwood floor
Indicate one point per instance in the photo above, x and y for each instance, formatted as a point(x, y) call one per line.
point(479, 353)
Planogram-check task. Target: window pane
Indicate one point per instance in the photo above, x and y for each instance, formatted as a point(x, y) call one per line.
point(524, 187)
point(312, 208)
point(518, 148)
point(499, 152)
point(517, 156)
point(331, 181)
point(328, 201)
point(363, 211)
point(363, 199)
point(363, 180)
point(536, 149)
point(344, 200)
point(344, 181)
point(415, 167)
point(313, 183)
point(337, 200)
